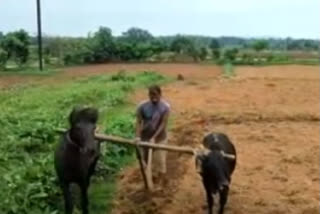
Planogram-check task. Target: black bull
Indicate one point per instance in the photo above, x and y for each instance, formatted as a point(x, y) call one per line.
point(76, 156)
point(215, 168)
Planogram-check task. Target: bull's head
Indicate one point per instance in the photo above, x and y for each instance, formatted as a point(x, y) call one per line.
point(83, 124)
point(202, 153)
point(200, 156)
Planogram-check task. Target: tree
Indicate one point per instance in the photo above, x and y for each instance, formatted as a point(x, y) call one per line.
point(102, 45)
point(16, 44)
point(215, 48)
point(137, 44)
point(203, 53)
point(311, 45)
point(158, 46)
point(260, 45)
point(182, 45)
point(214, 44)
point(231, 54)
point(3, 58)
point(136, 35)
point(216, 53)
point(194, 53)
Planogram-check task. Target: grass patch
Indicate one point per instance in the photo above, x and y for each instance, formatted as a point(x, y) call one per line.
point(228, 70)
point(28, 72)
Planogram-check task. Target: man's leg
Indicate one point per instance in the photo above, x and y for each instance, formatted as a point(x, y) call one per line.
point(160, 157)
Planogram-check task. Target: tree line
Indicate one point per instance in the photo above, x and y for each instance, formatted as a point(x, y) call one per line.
point(137, 45)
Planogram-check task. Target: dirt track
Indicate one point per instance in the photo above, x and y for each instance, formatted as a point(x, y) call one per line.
point(271, 114)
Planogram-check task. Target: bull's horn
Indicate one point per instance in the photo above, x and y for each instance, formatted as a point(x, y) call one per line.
point(201, 151)
point(229, 156)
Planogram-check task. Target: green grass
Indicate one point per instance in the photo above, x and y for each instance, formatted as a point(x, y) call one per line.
point(228, 70)
point(27, 138)
point(29, 72)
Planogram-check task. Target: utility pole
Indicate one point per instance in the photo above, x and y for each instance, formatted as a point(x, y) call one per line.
point(39, 35)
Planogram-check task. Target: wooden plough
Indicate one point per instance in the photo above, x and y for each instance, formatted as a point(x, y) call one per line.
point(146, 171)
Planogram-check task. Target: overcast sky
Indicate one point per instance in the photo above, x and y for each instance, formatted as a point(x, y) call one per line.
point(246, 18)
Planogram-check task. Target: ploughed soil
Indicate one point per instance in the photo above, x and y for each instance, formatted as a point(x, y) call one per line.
point(272, 116)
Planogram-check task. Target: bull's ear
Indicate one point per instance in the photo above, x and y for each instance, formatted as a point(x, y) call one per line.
point(92, 115)
point(198, 163)
point(74, 115)
point(206, 140)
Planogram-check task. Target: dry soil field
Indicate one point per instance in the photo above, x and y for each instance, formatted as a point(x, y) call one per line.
point(271, 114)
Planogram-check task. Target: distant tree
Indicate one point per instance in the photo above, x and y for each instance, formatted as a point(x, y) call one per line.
point(3, 58)
point(203, 53)
point(16, 44)
point(158, 46)
point(102, 45)
point(308, 45)
point(56, 47)
point(214, 44)
point(216, 53)
point(194, 53)
point(215, 48)
point(137, 35)
point(230, 54)
point(260, 45)
point(294, 45)
point(182, 44)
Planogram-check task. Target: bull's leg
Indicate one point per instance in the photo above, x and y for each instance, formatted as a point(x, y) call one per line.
point(68, 204)
point(84, 198)
point(91, 170)
point(209, 200)
point(223, 198)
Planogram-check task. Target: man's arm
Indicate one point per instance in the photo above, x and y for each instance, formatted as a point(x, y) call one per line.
point(138, 125)
point(162, 126)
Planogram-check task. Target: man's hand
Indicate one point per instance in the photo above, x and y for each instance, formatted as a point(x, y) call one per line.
point(97, 129)
point(152, 140)
point(137, 140)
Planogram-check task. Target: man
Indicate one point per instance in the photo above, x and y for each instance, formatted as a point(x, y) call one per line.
point(152, 121)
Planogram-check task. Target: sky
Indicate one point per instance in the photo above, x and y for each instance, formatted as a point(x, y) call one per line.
point(244, 18)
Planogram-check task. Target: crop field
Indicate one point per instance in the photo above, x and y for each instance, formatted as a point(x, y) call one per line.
point(271, 114)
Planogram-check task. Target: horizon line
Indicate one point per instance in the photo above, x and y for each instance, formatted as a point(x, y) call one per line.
point(44, 34)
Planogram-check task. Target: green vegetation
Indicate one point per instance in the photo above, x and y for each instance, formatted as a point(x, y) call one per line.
point(18, 49)
point(260, 45)
point(28, 71)
point(15, 46)
point(228, 70)
point(28, 139)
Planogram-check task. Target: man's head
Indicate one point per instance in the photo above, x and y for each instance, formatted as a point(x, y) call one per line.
point(154, 94)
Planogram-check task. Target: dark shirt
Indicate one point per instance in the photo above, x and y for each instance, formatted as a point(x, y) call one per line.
point(152, 116)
